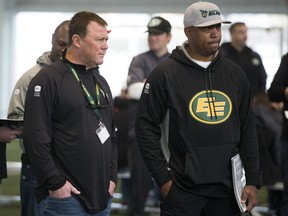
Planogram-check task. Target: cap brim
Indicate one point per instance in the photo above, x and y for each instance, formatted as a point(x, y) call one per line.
point(212, 22)
point(157, 31)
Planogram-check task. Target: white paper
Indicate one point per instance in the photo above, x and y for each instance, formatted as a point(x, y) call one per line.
point(239, 180)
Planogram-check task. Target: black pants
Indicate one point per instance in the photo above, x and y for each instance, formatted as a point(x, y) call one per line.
point(140, 183)
point(182, 203)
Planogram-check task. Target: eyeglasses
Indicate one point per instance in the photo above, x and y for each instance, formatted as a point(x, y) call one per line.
point(105, 104)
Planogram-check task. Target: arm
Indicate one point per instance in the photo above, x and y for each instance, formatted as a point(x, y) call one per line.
point(114, 162)
point(39, 107)
point(17, 100)
point(136, 78)
point(278, 90)
point(151, 112)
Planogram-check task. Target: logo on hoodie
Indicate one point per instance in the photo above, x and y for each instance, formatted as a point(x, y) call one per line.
point(212, 107)
point(37, 90)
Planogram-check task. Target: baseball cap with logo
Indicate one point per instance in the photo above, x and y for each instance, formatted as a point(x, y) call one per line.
point(158, 25)
point(202, 14)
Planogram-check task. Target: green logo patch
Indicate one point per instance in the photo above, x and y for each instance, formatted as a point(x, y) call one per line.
point(212, 110)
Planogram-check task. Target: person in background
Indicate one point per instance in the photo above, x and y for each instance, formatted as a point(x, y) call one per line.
point(69, 133)
point(28, 181)
point(208, 98)
point(278, 92)
point(121, 115)
point(159, 35)
point(268, 121)
point(249, 60)
point(7, 135)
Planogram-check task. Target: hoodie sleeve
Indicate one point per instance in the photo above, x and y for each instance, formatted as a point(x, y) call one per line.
point(17, 100)
point(151, 112)
point(276, 91)
point(39, 105)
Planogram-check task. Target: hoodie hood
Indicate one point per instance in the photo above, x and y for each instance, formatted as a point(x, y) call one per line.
point(181, 55)
point(44, 59)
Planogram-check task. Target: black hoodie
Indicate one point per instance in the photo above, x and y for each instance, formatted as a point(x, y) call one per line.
point(202, 137)
point(60, 136)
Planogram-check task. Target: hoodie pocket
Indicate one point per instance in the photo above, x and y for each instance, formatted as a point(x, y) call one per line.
point(208, 164)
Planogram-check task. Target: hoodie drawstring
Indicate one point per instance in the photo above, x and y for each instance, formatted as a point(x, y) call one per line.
point(209, 93)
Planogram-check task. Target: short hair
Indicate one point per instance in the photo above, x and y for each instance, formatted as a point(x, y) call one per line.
point(234, 25)
point(79, 22)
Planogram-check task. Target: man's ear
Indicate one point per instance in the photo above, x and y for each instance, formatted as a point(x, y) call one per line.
point(188, 32)
point(76, 40)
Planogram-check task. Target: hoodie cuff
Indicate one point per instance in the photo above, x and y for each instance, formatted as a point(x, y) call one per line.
point(255, 180)
point(161, 177)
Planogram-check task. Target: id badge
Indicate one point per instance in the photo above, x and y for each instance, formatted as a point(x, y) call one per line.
point(102, 132)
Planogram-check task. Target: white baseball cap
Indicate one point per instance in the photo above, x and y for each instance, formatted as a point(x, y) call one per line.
point(202, 14)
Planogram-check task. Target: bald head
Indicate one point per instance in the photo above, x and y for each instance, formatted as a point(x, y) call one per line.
point(59, 40)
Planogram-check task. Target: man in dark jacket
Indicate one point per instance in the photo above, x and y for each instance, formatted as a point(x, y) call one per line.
point(245, 57)
point(69, 133)
point(208, 100)
point(278, 92)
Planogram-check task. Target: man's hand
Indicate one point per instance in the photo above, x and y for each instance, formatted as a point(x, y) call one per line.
point(112, 187)
point(65, 191)
point(165, 188)
point(249, 196)
point(7, 135)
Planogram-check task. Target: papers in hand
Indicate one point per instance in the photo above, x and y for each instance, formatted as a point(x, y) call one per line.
point(239, 180)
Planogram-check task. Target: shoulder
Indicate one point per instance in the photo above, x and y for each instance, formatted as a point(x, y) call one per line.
point(285, 58)
point(144, 55)
point(51, 73)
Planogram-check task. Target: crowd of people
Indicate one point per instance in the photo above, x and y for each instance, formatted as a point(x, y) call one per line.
point(175, 127)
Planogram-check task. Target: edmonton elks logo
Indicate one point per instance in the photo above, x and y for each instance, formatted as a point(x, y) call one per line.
point(219, 110)
point(204, 13)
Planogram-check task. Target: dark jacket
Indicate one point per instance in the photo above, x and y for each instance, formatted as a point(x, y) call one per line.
point(202, 137)
point(276, 92)
point(252, 65)
point(60, 136)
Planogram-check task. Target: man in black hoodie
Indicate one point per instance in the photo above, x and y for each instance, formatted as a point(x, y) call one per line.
point(69, 133)
point(248, 60)
point(207, 100)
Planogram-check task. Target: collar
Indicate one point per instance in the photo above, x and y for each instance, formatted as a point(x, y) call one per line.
point(79, 67)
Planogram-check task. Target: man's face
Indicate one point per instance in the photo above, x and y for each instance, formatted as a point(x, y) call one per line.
point(94, 45)
point(239, 35)
point(204, 41)
point(158, 41)
point(59, 43)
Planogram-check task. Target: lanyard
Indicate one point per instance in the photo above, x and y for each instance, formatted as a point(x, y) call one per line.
point(87, 94)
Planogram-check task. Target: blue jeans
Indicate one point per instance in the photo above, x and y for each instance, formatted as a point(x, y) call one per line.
point(68, 206)
point(28, 184)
